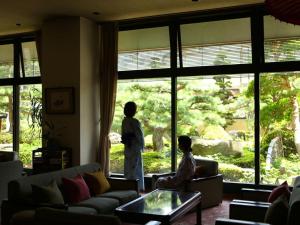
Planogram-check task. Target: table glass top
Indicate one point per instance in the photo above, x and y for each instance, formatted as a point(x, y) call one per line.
point(159, 202)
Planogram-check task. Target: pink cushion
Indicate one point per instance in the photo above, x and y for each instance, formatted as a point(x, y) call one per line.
point(75, 189)
point(282, 189)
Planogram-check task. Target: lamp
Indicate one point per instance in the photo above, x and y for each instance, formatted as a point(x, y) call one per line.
point(284, 10)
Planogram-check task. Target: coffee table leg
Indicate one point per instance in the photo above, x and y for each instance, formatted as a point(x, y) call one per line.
point(199, 216)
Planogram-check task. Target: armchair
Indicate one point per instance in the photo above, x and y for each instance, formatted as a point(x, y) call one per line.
point(256, 211)
point(209, 184)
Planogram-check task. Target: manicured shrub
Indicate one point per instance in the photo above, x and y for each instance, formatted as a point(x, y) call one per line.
point(6, 138)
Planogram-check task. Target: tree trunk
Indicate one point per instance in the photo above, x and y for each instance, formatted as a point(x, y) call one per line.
point(157, 138)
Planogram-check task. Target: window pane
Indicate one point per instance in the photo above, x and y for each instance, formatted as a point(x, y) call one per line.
point(6, 61)
point(6, 118)
point(31, 64)
point(30, 121)
point(282, 41)
point(216, 43)
point(279, 127)
point(153, 99)
point(144, 49)
point(217, 112)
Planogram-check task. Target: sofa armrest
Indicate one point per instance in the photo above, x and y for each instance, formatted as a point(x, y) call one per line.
point(123, 184)
point(255, 194)
point(50, 216)
point(8, 208)
point(223, 221)
point(248, 210)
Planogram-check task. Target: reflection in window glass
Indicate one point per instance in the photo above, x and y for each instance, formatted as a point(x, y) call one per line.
point(31, 64)
point(6, 118)
point(216, 43)
point(30, 122)
point(217, 112)
point(280, 127)
point(153, 99)
point(144, 49)
point(282, 41)
point(6, 61)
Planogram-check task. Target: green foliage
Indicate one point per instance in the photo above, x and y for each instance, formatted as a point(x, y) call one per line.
point(236, 174)
point(154, 162)
point(25, 152)
point(287, 137)
point(212, 132)
point(246, 160)
point(6, 138)
point(29, 135)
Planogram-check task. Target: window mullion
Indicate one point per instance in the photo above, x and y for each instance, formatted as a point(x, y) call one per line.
point(16, 94)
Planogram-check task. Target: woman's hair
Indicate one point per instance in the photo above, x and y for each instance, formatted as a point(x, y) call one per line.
point(130, 109)
point(185, 141)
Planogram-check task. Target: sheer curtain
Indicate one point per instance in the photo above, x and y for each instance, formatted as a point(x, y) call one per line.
point(108, 76)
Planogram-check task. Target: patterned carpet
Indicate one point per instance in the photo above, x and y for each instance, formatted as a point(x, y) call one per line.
point(208, 215)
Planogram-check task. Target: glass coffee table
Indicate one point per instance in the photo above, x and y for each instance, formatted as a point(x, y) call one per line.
point(162, 205)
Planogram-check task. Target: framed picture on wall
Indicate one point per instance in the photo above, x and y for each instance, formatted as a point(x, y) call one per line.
point(60, 100)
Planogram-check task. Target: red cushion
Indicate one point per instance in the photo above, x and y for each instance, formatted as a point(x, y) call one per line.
point(75, 189)
point(281, 189)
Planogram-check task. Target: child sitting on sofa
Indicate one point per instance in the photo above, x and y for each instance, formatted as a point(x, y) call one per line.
point(186, 168)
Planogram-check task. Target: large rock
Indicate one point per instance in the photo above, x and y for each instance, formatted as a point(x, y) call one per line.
point(205, 147)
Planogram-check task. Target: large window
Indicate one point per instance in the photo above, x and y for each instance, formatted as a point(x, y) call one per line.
point(282, 41)
point(153, 99)
point(280, 127)
point(216, 43)
point(144, 49)
point(226, 89)
point(216, 112)
point(20, 98)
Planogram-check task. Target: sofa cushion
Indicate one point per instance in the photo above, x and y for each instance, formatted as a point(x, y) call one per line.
point(278, 211)
point(20, 189)
point(75, 189)
point(101, 204)
point(278, 191)
point(122, 196)
point(47, 194)
point(96, 182)
point(82, 210)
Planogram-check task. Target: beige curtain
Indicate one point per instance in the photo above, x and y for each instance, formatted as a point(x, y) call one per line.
point(108, 74)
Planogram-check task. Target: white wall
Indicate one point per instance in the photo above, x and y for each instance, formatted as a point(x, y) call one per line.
point(89, 92)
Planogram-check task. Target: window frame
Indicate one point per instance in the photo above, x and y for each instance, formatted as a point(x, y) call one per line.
point(17, 79)
point(256, 14)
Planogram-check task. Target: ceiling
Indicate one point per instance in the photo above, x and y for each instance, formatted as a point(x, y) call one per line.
point(18, 16)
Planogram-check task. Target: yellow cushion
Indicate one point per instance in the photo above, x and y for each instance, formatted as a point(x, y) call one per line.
point(97, 182)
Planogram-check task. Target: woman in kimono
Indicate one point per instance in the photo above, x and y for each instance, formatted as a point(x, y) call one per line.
point(133, 140)
point(186, 168)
